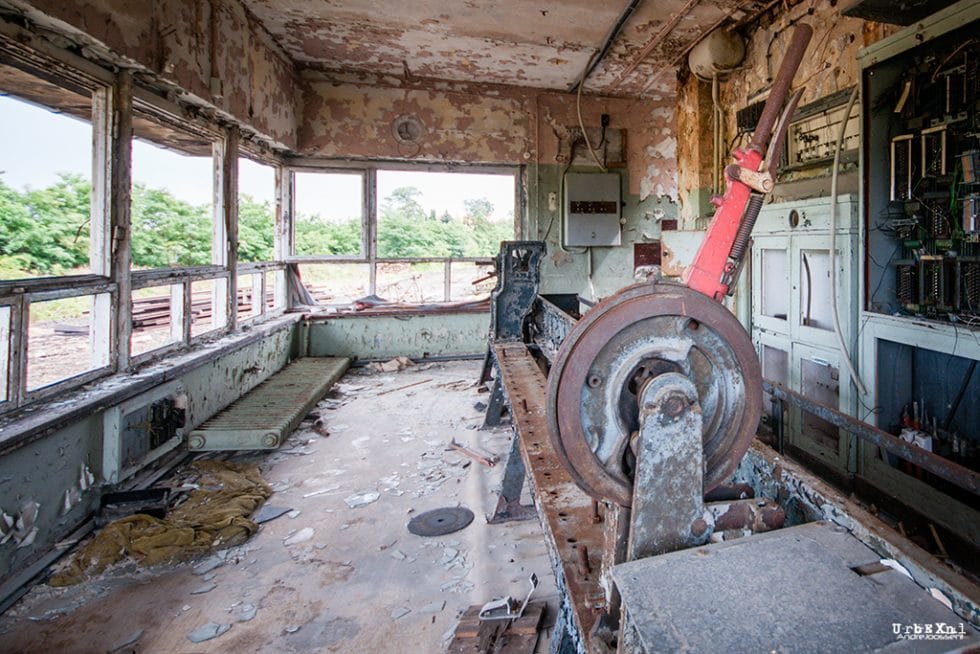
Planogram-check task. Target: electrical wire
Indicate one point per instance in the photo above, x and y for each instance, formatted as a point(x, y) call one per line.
point(581, 124)
point(833, 247)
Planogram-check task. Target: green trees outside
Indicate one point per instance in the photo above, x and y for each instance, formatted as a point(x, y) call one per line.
point(46, 231)
point(405, 230)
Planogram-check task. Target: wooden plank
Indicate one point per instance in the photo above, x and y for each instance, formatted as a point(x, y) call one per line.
point(475, 636)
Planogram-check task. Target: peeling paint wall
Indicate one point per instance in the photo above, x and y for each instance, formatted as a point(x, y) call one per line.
point(42, 471)
point(829, 66)
point(213, 51)
point(344, 117)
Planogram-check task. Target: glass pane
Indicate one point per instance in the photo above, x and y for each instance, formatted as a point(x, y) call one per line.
point(207, 297)
point(60, 340)
point(423, 214)
point(155, 323)
point(45, 183)
point(815, 307)
point(820, 384)
point(336, 283)
point(775, 365)
point(775, 284)
point(329, 210)
point(411, 283)
point(256, 210)
point(171, 206)
point(470, 281)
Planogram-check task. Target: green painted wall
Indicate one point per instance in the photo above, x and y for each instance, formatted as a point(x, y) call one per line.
point(385, 337)
point(612, 267)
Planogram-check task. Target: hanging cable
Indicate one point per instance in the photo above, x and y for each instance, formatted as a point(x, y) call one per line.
point(833, 246)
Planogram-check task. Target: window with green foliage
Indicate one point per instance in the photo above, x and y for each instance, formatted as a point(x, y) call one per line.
point(45, 190)
point(172, 205)
point(256, 211)
point(329, 214)
point(433, 214)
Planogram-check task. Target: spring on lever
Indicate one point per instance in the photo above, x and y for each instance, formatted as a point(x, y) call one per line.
point(744, 233)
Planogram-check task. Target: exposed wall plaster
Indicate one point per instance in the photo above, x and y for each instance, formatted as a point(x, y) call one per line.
point(213, 51)
point(508, 125)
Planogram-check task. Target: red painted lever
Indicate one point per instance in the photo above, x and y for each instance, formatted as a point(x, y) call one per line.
point(716, 264)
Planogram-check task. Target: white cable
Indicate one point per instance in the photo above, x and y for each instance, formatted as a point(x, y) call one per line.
point(833, 247)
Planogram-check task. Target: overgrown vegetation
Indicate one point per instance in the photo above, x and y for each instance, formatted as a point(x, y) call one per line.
point(46, 231)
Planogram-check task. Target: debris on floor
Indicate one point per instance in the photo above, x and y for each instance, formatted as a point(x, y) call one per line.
point(213, 516)
point(439, 522)
point(207, 632)
point(393, 365)
point(520, 636)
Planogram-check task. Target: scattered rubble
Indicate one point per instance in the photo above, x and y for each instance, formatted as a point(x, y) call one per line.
point(364, 498)
point(301, 536)
point(207, 632)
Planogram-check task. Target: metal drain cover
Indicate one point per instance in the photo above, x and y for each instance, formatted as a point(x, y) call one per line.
point(439, 522)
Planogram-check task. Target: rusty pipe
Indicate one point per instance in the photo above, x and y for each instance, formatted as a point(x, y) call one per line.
point(755, 515)
point(780, 87)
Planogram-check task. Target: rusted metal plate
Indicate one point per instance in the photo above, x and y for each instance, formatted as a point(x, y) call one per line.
point(564, 510)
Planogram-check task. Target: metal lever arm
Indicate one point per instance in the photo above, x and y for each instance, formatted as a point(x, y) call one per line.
point(716, 264)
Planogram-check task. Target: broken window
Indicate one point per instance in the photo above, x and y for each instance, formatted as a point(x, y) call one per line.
point(425, 236)
point(329, 214)
point(45, 178)
point(258, 277)
point(54, 312)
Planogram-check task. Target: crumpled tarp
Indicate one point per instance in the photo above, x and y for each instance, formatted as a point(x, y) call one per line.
point(213, 517)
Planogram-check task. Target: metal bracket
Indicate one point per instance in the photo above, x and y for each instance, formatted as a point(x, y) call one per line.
point(668, 510)
point(508, 608)
point(509, 507)
point(757, 181)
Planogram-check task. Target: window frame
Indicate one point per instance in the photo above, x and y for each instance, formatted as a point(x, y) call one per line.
point(114, 101)
point(371, 212)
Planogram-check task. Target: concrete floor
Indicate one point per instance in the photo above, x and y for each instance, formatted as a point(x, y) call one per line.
point(361, 582)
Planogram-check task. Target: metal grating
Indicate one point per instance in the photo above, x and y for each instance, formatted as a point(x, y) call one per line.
point(261, 418)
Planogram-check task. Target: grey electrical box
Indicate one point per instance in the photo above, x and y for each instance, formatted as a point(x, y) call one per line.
point(592, 209)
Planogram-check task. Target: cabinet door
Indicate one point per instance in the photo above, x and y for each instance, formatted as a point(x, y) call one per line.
point(816, 373)
point(811, 310)
point(771, 297)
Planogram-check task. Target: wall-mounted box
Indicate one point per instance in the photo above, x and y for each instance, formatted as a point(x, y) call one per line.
point(141, 430)
point(593, 207)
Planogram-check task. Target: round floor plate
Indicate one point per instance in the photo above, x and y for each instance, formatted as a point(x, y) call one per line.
point(439, 522)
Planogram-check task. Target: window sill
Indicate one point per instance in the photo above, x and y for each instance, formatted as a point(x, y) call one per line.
point(40, 419)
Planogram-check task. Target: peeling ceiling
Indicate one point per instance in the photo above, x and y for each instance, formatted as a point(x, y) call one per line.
point(541, 44)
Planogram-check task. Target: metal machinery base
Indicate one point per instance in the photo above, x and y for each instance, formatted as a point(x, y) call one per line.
point(673, 569)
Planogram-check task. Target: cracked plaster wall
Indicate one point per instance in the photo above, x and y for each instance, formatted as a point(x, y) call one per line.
point(208, 52)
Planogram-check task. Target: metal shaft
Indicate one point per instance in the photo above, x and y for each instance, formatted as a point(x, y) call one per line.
point(780, 87)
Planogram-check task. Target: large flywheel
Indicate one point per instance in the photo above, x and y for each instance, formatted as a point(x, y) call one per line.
point(623, 343)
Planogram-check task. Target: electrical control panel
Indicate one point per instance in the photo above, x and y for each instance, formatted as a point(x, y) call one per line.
point(923, 155)
point(593, 208)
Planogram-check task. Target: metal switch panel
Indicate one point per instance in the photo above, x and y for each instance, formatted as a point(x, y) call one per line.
point(592, 209)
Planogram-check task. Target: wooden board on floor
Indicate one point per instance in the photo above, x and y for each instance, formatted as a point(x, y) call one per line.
point(475, 636)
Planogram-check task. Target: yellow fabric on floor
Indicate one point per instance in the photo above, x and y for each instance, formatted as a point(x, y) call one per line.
point(213, 517)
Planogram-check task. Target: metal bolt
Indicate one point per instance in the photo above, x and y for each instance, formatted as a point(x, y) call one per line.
point(196, 442)
point(698, 527)
point(674, 405)
point(593, 381)
point(270, 439)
